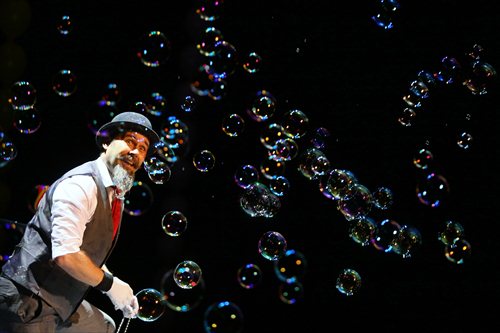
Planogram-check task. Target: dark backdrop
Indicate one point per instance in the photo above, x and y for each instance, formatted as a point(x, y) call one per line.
point(348, 75)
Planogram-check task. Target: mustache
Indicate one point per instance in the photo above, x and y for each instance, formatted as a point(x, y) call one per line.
point(130, 159)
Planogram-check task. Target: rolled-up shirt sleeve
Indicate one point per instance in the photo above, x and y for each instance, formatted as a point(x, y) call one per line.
point(73, 204)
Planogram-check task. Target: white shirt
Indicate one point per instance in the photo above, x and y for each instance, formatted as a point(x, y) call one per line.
point(74, 204)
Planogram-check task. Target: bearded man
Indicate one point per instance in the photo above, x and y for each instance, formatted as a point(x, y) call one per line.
point(65, 245)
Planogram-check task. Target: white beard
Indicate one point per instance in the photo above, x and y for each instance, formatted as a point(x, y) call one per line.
point(122, 179)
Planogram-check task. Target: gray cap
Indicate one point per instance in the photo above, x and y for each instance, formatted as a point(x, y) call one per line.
point(124, 122)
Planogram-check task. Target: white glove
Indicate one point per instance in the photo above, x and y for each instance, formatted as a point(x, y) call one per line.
point(123, 298)
point(130, 311)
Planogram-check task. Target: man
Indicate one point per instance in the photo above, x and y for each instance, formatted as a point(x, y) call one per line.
point(65, 245)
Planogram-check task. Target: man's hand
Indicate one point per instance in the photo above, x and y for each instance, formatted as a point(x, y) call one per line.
point(123, 298)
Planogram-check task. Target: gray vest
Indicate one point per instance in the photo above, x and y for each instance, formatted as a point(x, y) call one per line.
point(31, 263)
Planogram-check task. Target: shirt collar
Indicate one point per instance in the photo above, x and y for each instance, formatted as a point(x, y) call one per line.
point(104, 173)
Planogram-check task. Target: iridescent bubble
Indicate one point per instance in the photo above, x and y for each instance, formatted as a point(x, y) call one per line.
point(165, 152)
point(223, 317)
point(249, 276)
point(218, 89)
point(157, 169)
point(476, 52)
point(348, 282)
point(180, 299)
point(263, 106)
point(384, 19)
point(224, 61)
point(258, 201)
point(432, 190)
point(319, 138)
point(286, 149)
point(187, 274)
point(139, 199)
point(155, 49)
point(204, 161)
point(188, 103)
point(111, 93)
point(279, 186)
point(23, 95)
point(427, 78)
point(295, 124)
point(458, 252)
point(272, 245)
point(10, 235)
point(412, 100)
point(336, 184)
point(464, 140)
point(174, 223)
point(8, 150)
point(383, 198)
point(140, 107)
point(175, 135)
point(407, 116)
point(423, 159)
point(246, 175)
point(452, 231)
point(482, 77)
point(292, 266)
point(291, 292)
point(64, 26)
point(156, 104)
point(308, 160)
point(320, 166)
point(233, 125)
point(357, 203)
point(209, 10)
point(385, 233)
point(419, 88)
point(406, 241)
point(151, 305)
point(270, 168)
point(99, 114)
point(252, 63)
point(271, 134)
point(202, 82)
point(211, 36)
point(27, 121)
point(452, 69)
point(64, 83)
point(362, 230)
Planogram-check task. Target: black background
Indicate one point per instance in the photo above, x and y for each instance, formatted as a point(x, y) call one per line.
point(346, 74)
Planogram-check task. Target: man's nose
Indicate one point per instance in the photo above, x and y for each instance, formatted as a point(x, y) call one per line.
point(134, 151)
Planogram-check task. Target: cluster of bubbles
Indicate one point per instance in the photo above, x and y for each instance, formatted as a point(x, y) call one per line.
point(182, 289)
point(456, 247)
point(387, 14)
point(473, 72)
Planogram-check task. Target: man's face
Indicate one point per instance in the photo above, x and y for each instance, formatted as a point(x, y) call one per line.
point(129, 151)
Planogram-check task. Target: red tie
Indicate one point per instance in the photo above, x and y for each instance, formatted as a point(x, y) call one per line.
point(116, 209)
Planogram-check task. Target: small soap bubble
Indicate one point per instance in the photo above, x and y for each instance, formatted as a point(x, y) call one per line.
point(272, 245)
point(458, 252)
point(249, 276)
point(151, 305)
point(174, 223)
point(452, 231)
point(187, 274)
point(23, 95)
point(223, 317)
point(204, 161)
point(348, 282)
point(64, 83)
